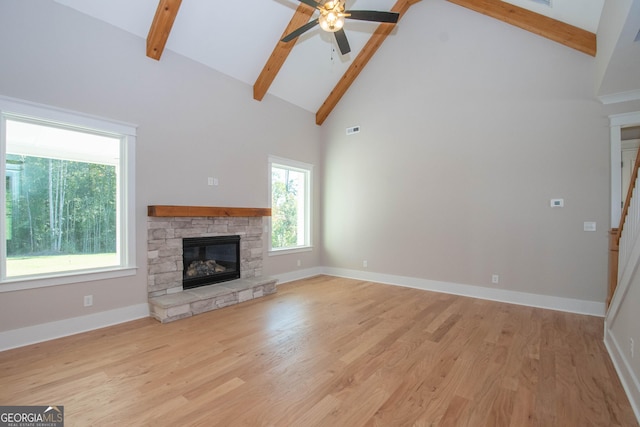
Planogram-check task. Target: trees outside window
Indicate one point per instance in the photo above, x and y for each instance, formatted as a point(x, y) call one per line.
point(290, 204)
point(61, 207)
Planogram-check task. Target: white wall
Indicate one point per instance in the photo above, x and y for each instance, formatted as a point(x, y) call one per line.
point(463, 144)
point(192, 123)
point(612, 19)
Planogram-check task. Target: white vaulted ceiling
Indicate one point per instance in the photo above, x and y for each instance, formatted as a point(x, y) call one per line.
point(237, 37)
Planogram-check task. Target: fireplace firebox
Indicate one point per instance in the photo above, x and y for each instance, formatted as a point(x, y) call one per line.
point(209, 260)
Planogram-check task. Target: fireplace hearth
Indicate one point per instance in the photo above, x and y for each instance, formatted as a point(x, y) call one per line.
point(210, 260)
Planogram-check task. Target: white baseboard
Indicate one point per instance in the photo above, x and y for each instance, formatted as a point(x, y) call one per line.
point(298, 275)
point(62, 328)
point(570, 305)
point(627, 377)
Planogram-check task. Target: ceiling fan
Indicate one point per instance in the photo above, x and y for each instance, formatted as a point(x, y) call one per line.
point(331, 19)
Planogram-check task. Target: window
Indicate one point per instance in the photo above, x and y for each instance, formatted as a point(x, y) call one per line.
point(68, 199)
point(290, 187)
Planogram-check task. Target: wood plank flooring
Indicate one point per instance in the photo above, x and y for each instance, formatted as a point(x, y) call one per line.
point(332, 352)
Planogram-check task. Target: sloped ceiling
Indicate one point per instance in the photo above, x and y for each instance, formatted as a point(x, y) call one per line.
point(237, 38)
point(623, 68)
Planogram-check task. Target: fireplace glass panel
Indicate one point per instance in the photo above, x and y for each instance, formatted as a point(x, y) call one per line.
point(209, 260)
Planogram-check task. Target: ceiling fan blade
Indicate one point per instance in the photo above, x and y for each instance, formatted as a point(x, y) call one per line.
point(295, 33)
point(373, 15)
point(311, 3)
point(343, 44)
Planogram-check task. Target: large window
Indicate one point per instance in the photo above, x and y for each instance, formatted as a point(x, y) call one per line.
point(66, 210)
point(290, 204)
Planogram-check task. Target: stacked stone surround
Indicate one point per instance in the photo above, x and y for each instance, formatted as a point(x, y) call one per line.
point(167, 299)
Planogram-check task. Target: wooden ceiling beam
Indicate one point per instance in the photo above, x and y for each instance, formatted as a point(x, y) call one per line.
point(566, 34)
point(360, 62)
point(280, 52)
point(161, 27)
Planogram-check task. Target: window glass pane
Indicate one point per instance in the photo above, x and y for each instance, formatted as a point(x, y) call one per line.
point(61, 205)
point(289, 205)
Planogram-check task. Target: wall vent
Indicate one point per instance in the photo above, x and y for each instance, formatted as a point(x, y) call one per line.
point(352, 130)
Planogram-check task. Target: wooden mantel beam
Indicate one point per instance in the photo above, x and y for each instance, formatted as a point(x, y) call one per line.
point(205, 211)
point(360, 62)
point(161, 27)
point(280, 52)
point(566, 34)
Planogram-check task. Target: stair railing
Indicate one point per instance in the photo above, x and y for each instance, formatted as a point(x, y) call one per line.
point(623, 239)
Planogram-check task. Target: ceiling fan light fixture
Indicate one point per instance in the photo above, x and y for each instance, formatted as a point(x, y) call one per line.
point(331, 21)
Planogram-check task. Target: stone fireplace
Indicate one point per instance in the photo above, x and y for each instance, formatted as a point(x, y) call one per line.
point(168, 228)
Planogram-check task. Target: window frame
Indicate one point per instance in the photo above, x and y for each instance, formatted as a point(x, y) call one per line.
point(307, 169)
point(126, 235)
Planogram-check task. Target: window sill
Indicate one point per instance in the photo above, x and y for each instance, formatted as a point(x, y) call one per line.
point(274, 252)
point(24, 283)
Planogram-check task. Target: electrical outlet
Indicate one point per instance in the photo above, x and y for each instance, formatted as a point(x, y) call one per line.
point(495, 278)
point(88, 300)
point(365, 264)
point(299, 263)
point(631, 349)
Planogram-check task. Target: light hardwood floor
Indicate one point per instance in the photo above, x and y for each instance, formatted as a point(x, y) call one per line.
point(331, 352)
